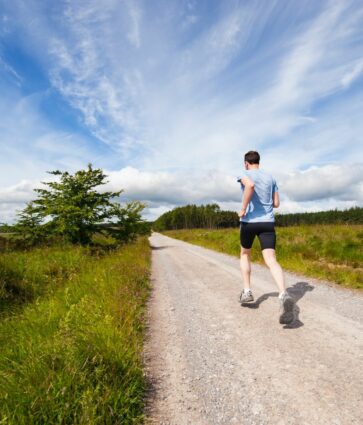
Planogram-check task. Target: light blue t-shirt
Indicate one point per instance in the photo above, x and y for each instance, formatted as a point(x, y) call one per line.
point(260, 208)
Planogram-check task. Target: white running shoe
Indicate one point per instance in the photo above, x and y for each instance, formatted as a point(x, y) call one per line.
point(246, 297)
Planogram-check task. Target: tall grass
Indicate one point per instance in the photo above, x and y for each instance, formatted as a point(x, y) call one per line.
point(72, 353)
point(332, 252)
point(26, 275)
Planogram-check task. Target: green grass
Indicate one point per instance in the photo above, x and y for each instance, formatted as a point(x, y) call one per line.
point(27, 275)
point(71, 337)
point(332, 252)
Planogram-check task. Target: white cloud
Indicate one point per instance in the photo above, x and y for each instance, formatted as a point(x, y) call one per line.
point(315, 189)
point(318, 188)
point(14, 198)
point(340, 182)
point(291, 207)
point(178, 188)
point(152, 213)
point(19, 193)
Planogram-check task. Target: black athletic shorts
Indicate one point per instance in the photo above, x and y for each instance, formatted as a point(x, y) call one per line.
point(265, 232)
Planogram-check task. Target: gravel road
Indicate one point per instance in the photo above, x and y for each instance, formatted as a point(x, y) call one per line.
point(211, 361)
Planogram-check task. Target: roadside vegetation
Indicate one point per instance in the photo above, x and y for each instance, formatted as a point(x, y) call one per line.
point(331, 252)
point(74, 280)
point(71, 351)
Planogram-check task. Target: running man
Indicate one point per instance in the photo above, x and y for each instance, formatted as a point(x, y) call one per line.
point(260, 196)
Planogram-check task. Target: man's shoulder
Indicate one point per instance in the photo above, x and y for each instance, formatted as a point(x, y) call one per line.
point(258, 173)
point(265, 172)
point(267, 175)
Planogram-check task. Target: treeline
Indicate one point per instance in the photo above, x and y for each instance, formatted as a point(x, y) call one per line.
point(351, 216)
point(192, 217)
point(211, 217)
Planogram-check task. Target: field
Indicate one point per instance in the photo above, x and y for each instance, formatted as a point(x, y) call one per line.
point(71, 334)
point(331, 252)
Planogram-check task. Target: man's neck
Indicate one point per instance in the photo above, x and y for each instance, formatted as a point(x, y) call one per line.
point(253, 166)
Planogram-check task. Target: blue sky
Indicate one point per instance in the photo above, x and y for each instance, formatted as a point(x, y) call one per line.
point(167, 96)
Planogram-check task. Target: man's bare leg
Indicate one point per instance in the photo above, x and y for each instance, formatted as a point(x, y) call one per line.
point(269, 255)
point(246, 267)
point(286, 302)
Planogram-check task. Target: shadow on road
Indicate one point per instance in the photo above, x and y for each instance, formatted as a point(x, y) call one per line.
point(155, 248)
point(297, 291)
point(260, 299)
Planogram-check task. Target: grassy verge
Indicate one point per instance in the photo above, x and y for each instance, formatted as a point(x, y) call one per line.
point(72, 353)
point(332, 252)
point(28, 275)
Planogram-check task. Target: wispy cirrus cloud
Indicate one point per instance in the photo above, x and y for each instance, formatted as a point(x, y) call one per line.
point(352, 74)
point(10, 71)
point(30, 146)
point(126, 90)
point(135, 17)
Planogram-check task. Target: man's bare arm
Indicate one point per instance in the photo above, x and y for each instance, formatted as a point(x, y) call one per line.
point(276, 199)
point(249, 188)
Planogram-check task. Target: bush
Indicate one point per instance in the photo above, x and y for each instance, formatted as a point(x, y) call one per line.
point(74, 209)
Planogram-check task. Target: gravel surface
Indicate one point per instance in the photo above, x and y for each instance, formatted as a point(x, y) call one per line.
point(211, 361)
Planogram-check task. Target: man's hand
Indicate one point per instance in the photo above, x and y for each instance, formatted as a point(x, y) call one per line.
point(242, 213)
point(276, 199)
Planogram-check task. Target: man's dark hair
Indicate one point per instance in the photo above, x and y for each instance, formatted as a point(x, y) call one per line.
point(252, 157)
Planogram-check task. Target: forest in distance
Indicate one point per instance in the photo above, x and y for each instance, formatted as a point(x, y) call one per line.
point(210, 216)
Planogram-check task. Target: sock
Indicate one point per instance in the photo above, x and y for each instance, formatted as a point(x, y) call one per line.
point(282, 294)
point(247, 290)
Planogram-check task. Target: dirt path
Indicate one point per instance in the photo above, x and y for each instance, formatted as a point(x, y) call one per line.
point(211, 361)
